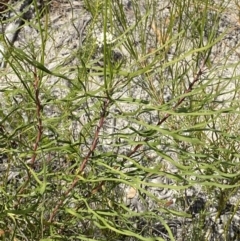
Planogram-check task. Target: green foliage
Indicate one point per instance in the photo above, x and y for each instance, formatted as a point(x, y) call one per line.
point(81, 146)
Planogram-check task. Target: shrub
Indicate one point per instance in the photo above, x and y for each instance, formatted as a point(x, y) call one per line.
point(122, 123)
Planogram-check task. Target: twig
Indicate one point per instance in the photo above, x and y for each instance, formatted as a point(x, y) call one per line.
point(39, 119)
point(190, 88)
point(85, 161)
point(39, 128)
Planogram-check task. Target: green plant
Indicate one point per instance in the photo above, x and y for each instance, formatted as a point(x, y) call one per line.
point(99, 143)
